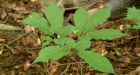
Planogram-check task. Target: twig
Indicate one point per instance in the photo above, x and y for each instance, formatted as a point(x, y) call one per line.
point(10, 48)
point(94, 3)
point(65, 69)
point(73, 8)
point(11, 42)
point(134, 37)
point(71, 63)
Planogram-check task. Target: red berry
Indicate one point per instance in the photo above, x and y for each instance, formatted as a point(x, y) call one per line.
point(73, 36)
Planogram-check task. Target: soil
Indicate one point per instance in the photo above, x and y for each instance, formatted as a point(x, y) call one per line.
point(19, 48)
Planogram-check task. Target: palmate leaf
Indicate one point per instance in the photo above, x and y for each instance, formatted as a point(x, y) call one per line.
point(46, 41)
point(97, 61)
point(37, 21)
point(80, 19)
point(55, 17)
point(83, 43)
point(42, 56)
point(51, 52)
point(65, 41)
point(133, 13)
point(137, 26)
point(106, 34)
point(97, 18)
point(41, 59)
point(56, 52)
point(66, 30)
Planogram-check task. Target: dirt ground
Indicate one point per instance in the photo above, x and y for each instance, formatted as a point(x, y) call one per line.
point(19, 47)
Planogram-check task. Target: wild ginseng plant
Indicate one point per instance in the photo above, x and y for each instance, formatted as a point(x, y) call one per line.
point(60, 40)
point(134, 14)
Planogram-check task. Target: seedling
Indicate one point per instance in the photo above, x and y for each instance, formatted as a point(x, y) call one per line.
point(134, 14)
point(73, 37)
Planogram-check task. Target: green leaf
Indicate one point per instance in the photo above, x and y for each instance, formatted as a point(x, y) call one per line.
point(42, 56)
point(37, 21)
point(98, 17)
point(45, 44)
point(137, 26)
point(133, 13)
point(56, 52)
point(55, 17)
point(41, 59)
point(60, 41)
point(80, 19)
point(70, 42)
point(106, 34)
point(52, 52)
point(46, 41)
point(66, 30)
point(97, 61)
point(65, 41)
point(47, 38)
point(83, 43)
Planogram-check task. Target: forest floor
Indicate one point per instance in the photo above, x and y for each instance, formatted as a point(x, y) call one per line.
point(19, 48)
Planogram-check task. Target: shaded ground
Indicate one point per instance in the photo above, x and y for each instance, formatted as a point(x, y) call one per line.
point(19, 48)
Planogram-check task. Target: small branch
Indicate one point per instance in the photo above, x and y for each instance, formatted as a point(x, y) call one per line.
point(11, 42)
